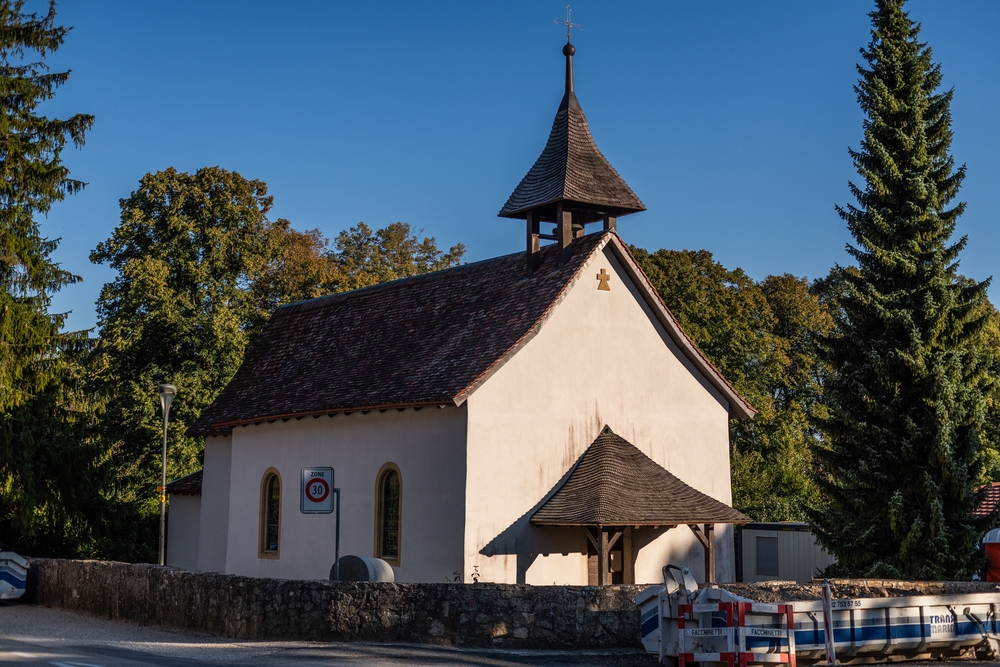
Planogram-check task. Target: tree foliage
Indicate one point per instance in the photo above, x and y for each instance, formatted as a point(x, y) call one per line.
point(362, 257)
point(761, 336)
point(45, 463)
point(906, 395)
point(305, 265)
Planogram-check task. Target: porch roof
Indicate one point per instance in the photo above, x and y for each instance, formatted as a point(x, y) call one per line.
point(615, 484)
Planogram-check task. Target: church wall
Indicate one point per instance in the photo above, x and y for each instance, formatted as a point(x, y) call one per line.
point(183, 528)
point(213, 528)
point(428, 446)
point(601, 358)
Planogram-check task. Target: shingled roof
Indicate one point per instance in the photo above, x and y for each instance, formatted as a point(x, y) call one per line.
point(615, 484)
point(421, 341)
point(186, 486)
point(989, 500)
point(572, 169)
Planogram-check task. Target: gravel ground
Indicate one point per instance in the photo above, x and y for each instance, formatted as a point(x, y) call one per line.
point(51, 629)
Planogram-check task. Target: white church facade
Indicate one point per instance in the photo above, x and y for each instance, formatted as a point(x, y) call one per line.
point(537, 418)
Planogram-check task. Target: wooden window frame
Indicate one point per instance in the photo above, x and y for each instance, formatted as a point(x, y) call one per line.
point(262, 527)
point(379, 514)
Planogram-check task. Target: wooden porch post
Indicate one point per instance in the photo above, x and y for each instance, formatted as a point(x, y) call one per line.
point(602, 557)
point(628, 576)
point(610, 223)
point(707, 539)
point(710, 553)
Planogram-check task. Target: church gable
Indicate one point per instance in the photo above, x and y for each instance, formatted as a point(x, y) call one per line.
point(426, 340)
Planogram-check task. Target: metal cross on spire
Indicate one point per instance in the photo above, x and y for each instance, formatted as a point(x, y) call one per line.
point(568, 23)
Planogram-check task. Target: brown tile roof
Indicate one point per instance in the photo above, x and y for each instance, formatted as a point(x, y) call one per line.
point(186, 486)
point(615, 484)
point(991, 496)
point(421, 341)
point(571, 168)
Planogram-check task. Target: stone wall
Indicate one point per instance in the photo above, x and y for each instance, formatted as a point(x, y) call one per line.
point(507, 615)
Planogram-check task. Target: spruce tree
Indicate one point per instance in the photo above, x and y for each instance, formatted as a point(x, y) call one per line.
point(906, 391)
point(39, 409)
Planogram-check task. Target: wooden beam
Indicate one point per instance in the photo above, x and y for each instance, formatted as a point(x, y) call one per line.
point(592, 539)
point(613, 540)
point(610, 223)
point(628, 571)
point(697, 533)
point(564, 232)
point(533, 242)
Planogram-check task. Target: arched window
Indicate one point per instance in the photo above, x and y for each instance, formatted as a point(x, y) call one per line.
point(388, 496)
point(270, 515)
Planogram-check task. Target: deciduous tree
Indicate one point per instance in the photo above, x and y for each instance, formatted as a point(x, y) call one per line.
point(180, 310)
point(760, 335)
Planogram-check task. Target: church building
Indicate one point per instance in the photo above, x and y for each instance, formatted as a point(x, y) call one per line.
point(536, 418)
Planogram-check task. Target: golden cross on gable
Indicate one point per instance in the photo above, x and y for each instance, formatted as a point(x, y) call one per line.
point(604, 277)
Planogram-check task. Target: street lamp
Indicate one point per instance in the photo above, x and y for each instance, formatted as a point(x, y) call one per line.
point(167, 393)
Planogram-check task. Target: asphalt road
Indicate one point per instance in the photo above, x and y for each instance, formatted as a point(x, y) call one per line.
point(38, 636)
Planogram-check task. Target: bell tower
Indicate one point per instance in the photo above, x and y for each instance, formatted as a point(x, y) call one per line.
point(571, 184)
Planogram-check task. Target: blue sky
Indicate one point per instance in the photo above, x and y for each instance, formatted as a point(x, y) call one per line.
point(730, 120)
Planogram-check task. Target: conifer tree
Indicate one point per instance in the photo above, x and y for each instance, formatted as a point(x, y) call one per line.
point(906, 391)
point(39, 404)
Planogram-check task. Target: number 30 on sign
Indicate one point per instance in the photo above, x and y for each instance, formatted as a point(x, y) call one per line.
point(317, 491)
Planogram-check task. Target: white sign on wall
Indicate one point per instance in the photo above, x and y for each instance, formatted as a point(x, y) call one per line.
point(317, 491)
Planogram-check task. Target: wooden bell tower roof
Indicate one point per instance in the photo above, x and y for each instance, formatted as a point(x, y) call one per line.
point(571, 171)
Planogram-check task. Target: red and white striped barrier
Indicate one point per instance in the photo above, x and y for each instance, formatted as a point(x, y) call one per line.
point(734, 633)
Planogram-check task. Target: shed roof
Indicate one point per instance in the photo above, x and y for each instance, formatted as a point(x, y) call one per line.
point(421, 341)
point(615, 484)
point(189, 485)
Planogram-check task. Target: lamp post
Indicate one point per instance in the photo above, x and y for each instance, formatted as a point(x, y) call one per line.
point(167, 393)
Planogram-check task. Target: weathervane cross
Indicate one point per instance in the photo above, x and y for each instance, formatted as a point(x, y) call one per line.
point(568, 23)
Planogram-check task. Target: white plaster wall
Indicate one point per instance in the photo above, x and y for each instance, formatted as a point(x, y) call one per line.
point(213, 528)
point(601, 358)
point(183, 528)
point(428, 446)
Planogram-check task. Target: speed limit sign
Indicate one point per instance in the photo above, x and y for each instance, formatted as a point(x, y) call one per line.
point(317, 491)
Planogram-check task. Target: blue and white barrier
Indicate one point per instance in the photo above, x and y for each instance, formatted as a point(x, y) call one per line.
point(864, 630)
point(13, 575)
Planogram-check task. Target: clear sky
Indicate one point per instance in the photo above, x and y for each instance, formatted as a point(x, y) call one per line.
point(730, 120)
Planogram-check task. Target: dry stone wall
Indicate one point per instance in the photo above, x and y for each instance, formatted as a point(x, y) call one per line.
point(483, 615)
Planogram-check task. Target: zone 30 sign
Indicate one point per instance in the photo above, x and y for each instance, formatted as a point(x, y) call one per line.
point(317, 491)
